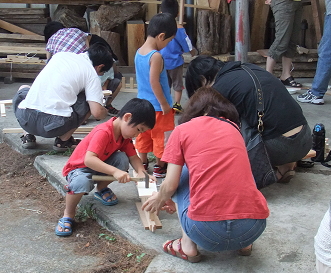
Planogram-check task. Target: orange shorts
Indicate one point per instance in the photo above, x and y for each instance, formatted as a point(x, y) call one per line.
point(155, 140)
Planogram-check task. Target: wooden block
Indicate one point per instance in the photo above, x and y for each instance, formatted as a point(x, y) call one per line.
point(143, 192)
point(135, 38)
point(150, 220)
point(310, 154)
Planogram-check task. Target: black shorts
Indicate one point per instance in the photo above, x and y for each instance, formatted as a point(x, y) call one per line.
point(47, 125)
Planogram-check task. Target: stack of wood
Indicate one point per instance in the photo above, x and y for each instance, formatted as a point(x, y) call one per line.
point(22, 45)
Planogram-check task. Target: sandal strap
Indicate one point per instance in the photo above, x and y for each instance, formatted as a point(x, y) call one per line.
point(67, 143)
point(105, 191)
point(179, 244)
point(169, 244)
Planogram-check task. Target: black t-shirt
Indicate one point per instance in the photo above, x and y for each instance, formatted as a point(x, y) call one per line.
point(281, 112)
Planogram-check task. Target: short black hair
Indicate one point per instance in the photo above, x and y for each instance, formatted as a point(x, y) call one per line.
point(170, 6)
point(97, 39)
point(142, 112)
point(51, 28)
point(99, 54)
point(199, 69)
point(162, 23)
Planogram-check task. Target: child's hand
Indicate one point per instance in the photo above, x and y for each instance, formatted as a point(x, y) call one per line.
point(121, 176)
point(166, 109)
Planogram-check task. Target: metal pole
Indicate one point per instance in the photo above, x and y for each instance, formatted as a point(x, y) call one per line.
point(242, 31)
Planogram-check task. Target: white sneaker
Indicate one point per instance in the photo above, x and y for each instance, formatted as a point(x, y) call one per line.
point(310, 97)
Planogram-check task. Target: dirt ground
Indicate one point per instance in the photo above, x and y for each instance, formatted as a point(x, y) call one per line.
point(21, 180)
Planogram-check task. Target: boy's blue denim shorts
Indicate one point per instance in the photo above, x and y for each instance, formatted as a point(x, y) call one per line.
point(80, 180)
point(215, 235)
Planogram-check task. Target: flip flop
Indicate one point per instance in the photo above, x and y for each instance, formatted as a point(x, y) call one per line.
point(286, 177)
point(245, 252)
point(104, 201)
point(61, 223)
point(180, 254)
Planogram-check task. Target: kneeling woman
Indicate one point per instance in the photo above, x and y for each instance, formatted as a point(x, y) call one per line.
point(209, 174)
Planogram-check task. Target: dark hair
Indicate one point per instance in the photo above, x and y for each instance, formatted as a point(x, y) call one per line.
point(201, 68)
point(170, 6)
point(97, 39)
point(162, 23)
point(51, 28)
point(142, 112)
point(206, 101)
point(99, 54)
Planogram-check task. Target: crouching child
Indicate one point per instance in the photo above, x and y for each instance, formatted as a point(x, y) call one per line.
point(106, 150)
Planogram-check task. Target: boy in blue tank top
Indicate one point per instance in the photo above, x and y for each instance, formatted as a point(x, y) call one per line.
point(152, 82)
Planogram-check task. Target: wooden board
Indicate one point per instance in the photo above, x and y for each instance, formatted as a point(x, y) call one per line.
point(258, 27)
point(12, 28)
point(23, 50)
point(22, 37)
point(135, 38)
point(79, 130)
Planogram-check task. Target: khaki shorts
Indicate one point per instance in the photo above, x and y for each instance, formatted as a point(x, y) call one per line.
point(175, 78)
point(287, 14)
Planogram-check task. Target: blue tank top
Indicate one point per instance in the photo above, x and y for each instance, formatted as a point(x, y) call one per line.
point(142, 64)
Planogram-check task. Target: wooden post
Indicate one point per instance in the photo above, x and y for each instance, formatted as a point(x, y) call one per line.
point(94, 25)
point(181, 12)
point(135, 38)
point(242, 31)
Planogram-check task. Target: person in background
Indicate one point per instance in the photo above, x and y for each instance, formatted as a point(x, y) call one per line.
point(63, 95)
point(153, 86)
point(172, 54)
point(286, 133)
point(209, 177)
point(61, 39)
point(323, 71)
point(287, 14)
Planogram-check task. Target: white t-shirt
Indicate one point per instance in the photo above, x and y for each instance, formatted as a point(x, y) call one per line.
point(322, 241)
point(56, 87)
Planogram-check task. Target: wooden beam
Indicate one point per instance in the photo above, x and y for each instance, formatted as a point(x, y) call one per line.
point(22, 37)
point(79, 130)
point(23, 49)
point(135, 37)
point(12, 28)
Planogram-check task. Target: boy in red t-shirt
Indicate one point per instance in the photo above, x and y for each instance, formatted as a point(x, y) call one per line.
point(106, 150)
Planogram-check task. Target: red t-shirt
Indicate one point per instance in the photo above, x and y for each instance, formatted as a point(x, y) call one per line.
point(100, 140)
point(222, 186)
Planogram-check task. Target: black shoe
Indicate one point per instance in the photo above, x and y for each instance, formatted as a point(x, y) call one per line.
point(28, 141)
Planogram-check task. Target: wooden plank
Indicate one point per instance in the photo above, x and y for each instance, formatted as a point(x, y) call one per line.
point(317, 17)
point(23, 11)
point(79, 130)
point(258, 27)
point(12, 28)
point(22, 37)
point(135, 38)
point(23, 49)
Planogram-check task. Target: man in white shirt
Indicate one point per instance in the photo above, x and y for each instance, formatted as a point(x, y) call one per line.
point(64, 94)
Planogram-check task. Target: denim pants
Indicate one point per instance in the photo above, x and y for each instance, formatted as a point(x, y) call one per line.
point(215, 235)
point(323, 70)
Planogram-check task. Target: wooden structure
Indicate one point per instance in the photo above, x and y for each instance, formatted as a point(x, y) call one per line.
point(149, 219)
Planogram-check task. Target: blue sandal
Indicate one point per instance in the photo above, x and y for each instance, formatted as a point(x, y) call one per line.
point(61, 223)
point(104, 201)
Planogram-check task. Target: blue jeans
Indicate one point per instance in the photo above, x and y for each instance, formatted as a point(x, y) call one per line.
point(215, 235)
point(323, 70)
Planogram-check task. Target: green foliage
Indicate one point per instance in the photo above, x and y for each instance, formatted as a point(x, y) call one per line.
point(66, 153)
point(107, 237)
point(138, 257)
point(85, 212)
